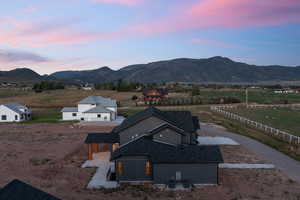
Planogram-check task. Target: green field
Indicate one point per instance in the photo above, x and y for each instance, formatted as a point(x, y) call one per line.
point(257, 96)
point(286, 119)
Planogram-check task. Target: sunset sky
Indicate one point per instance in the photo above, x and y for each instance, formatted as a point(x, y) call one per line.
point(56, 35)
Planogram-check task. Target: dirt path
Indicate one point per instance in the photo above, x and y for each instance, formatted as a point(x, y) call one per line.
point(286, 164)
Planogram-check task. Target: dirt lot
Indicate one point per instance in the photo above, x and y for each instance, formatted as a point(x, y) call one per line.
point(49, 156)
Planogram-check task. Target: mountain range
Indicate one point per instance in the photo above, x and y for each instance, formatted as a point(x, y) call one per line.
point(216, 69)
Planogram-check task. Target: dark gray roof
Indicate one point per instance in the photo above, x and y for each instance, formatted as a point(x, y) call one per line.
point(162, 127)
point(106, 102)
point(69, 109)
point(98, 109)
point(15, 107)
point(180, 119)
point(102, 138)
point(164, 153)
point(17, 190)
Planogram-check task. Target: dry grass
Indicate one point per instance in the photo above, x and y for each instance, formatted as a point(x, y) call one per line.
point(49, 156)
point(62, 98)
point(70, 97)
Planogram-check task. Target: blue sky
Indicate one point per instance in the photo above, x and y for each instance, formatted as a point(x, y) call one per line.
point(56, 35)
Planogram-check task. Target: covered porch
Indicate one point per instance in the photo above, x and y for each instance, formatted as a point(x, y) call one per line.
point(101, 142)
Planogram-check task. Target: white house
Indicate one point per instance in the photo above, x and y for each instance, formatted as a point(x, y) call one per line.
point(14, 112)
point(93, 108)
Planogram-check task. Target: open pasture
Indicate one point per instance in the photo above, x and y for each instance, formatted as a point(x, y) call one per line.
point(254, 95)
point(286, 119)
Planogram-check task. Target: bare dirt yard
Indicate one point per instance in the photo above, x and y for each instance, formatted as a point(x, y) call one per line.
point(49, 157)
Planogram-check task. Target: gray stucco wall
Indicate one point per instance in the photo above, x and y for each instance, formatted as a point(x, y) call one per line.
point(168, 136)
point(194, 173)
point(139, 129)
point(134, 169)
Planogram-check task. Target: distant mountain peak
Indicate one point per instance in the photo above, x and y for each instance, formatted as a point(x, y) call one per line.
point(220, 58)
point(216, 69)
point(105, 68)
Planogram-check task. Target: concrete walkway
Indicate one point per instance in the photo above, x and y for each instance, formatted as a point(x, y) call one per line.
point(102, 163)
point(286, 164)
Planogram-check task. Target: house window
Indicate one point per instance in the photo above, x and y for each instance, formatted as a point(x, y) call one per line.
point(105, 117)
point(120, 167)
point(148, 168)
point(3, 117)
point(16, 117)
point(99, 115)
point(74, 114)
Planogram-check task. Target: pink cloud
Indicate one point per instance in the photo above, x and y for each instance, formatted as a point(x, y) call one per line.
point(122, 2)
point(225, 14)
point(16, 33)
point(216, 43)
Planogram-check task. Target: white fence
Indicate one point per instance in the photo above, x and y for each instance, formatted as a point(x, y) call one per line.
point(282, 135)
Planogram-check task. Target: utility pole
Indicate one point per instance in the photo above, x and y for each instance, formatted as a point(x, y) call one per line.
point(246, 97)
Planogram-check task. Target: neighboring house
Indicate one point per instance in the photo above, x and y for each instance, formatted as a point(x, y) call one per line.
point(155, 94)
point(87, 88)
point(14, 112)
point(93, 108)
point(17, 190)
point(159, 147)
point(286, 91)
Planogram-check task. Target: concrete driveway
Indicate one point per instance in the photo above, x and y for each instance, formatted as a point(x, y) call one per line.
point(286, 164)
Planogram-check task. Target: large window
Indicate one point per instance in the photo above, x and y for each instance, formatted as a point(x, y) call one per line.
point(74, 114)
point(3, 117)
point(120, 167)
point(99, 115)
point(148, 168)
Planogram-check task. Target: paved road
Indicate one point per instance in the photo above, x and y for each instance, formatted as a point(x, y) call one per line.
point(286, 164)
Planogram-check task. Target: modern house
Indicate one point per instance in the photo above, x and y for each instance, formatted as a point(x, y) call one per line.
point(18, 190)
point(92, 108)
point(14, 112)
point(159, 147)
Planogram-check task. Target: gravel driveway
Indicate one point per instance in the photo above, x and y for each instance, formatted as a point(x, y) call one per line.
point(286, 164)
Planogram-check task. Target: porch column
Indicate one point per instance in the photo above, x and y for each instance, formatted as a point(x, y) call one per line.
point(90, 152)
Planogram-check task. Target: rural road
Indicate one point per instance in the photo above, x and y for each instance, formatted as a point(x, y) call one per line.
point(286, 164)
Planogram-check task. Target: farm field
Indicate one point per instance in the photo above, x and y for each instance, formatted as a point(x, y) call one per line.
point(49, 157)
point(254, 95)
point(12, 92)
point(68, 97)
point(62, 98)
point(286, 119)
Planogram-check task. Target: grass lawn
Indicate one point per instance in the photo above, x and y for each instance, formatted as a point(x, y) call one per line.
point(286, 119)
point(45, 116)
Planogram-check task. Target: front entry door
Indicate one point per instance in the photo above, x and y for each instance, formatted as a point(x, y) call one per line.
point(178, 176)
